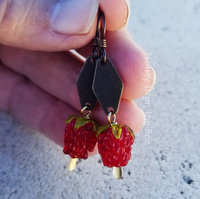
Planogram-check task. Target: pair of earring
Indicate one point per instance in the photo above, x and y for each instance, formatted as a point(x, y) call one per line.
point(99, 81)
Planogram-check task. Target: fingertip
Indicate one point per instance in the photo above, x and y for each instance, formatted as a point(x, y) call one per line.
point(116, 12)
point(132, 63)
point(131, 115)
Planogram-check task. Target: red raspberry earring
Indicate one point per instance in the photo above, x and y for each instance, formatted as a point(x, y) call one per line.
point(114, 140)
point(114, 145)
point(99, 80)
point(80, 137)
point(80, 132)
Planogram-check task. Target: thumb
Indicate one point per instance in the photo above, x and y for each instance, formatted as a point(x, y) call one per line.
point(49, 25)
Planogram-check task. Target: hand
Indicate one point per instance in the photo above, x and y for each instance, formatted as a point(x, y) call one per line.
point(39, 88)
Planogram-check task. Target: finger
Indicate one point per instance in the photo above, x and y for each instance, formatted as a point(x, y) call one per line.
point(41, 111)
point(33, 106)
point(55, 73)
point(116, 13)
point(47, 24)
point(130, 61)
point(53, 25)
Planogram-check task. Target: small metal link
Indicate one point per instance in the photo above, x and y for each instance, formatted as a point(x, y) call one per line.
point(85, 111)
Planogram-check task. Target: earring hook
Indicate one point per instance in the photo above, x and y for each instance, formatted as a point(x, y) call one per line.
point(99, 41)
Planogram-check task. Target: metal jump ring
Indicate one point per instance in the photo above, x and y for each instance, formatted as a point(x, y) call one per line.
point(84, 113)
point(111, 118)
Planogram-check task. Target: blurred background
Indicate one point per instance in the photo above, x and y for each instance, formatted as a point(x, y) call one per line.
point(166, 154)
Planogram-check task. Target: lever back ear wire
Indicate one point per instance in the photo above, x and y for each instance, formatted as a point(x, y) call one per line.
point(103, 40)
point(99, 41)
point(96, 40)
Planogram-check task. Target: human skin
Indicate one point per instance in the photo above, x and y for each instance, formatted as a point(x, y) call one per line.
point(38, 73)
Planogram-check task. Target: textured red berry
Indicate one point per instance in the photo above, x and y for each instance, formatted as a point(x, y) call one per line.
point(80, 137)
point(114, 144)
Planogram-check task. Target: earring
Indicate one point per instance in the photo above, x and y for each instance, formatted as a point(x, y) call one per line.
point(80, 132)
point(99, 81)
point(114, 140)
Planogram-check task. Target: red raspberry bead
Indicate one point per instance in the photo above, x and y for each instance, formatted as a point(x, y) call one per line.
point(114, 144)
point(80, 137)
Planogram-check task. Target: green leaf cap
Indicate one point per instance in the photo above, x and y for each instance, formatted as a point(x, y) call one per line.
point(101, 129)
point(116, 130)
point(81, 121)
point(69, 119)
point(131, 131)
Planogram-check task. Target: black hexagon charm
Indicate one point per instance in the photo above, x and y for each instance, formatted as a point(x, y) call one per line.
point(107, 86)
point(84, 84)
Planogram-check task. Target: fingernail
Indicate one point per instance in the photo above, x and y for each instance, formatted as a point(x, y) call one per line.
point(126, 11)
point(73, 16)
point(153, 79)
point(143, 116)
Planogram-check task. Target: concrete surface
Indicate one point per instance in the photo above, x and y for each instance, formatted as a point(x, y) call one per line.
point(166, 154)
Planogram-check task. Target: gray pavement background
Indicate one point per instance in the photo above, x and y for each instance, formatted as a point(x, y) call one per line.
point(166, 154)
